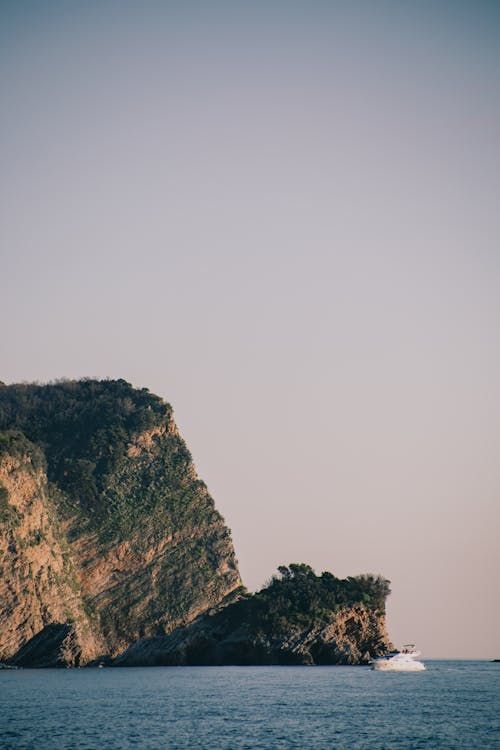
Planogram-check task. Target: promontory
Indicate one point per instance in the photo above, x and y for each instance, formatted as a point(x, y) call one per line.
point(112, 550)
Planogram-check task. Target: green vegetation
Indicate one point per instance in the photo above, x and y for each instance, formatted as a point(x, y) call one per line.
point(8, 513)
point(83, 427)
point(298, 618)
point(15, 443)
point(298, 598)
point(119, 471)
point(165, 491)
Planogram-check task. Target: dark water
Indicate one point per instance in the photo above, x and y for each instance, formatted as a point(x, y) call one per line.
point(453, 705)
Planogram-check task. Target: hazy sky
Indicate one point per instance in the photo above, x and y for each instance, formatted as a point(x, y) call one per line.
point(283, 218)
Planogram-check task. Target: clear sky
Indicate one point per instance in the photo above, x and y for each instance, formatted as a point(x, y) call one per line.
point(283, 218)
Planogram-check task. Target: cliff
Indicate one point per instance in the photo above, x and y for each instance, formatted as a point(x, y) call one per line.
point(111, 549)
point(38, 583)
point(299, 618)
point(107, 534)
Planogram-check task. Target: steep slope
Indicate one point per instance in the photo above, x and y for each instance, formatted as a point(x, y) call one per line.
point(299, 618)
point(111, 548)
point(38, 583)
point(118, 538)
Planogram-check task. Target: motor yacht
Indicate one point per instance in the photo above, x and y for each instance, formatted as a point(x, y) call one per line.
point(400, 661)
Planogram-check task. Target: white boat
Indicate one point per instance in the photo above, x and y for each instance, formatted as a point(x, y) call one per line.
point(400, 661)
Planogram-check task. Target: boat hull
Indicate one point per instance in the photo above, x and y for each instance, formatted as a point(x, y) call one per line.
point(397, 665)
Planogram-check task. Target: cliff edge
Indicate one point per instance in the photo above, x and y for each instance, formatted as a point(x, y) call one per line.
point(298, 618)
point(107, 534)
point(111, 549)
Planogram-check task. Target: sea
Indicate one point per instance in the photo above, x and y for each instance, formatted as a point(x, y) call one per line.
point(453, 705)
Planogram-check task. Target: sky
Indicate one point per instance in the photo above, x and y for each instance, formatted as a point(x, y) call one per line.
point(282, 217)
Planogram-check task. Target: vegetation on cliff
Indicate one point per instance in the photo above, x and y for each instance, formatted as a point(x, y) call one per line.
point(298, 598)
point(110, 546)
point(83, 428)
point(100, 467)
point(298, 618)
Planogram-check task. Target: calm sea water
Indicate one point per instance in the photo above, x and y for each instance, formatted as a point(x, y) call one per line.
point(454, 705)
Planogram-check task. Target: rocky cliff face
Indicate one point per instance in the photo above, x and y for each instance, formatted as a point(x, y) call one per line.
point(38, 582)
point(111, 548)
point(354, 636)
point(106, 533)
point(298, 618)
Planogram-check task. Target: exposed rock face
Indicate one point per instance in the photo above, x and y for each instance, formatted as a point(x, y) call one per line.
point(298, 618)
point(38, 582)
point(111, 549)
point(106, 533)
point(57, 645)
point(355, 635)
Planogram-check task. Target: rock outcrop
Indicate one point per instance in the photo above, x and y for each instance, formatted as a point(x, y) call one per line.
point(355, 636)
point(297, 620)
point(107, 534)
point(38, 579)
point(111, 549)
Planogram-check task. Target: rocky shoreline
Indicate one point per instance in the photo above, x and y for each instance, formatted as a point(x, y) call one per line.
point(112, 550)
